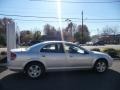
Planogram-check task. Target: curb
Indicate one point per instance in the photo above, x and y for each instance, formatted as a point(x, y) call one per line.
point(116, 58)
point(3, 65)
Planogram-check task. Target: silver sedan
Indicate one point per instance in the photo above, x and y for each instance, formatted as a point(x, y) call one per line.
point(56, 55)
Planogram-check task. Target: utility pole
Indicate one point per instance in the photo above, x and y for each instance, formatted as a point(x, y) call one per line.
point(98, 32)
point(82, 27)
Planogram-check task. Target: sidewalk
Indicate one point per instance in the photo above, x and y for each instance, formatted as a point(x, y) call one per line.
point(2, 68)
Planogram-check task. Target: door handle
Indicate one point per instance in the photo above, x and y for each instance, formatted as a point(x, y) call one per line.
point(71, 56)
point(43, 55)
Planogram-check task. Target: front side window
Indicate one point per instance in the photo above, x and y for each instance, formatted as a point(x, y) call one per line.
point(73, 49)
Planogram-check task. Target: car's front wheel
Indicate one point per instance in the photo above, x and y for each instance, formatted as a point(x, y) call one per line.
point(100, 66)
point(34, 70)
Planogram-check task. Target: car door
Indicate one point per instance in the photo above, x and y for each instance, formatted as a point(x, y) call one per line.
point(77, 57)
point(53, 55)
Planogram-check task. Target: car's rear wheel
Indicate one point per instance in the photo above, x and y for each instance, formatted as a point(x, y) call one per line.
point(34, 70)
point(100, 66)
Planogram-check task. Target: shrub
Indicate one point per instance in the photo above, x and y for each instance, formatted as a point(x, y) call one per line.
point(3, 60)
point(3, 57)
point(1, 46)
point(112, 52)
point(3, 53)
point(118, 51)
point(2, 40)
point(95, 49)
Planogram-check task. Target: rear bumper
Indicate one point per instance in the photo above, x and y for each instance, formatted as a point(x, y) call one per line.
point(16, 70)
point(14, 67)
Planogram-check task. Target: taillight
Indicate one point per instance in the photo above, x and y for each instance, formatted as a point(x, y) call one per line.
point(13, 56)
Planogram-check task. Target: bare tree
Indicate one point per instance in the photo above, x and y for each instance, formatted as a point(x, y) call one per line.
point(109, 34)
point(82, 38)
point(110, 30)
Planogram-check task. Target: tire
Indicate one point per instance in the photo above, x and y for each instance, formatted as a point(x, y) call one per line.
point(34, 70)
point(101, 66)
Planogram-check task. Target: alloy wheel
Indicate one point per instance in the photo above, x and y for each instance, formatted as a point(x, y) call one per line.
point(101, 66)
point(34, 71)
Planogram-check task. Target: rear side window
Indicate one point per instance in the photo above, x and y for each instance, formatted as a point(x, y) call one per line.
point(53, 48)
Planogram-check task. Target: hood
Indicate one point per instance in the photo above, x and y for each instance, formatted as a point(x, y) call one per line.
point(103, 55)
point(18, 50)
point(95, 52)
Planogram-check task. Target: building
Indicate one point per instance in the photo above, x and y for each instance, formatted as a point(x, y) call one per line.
point(110, 39)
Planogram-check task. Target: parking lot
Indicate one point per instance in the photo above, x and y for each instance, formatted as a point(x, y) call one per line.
point(117, 47)
point(63, 80)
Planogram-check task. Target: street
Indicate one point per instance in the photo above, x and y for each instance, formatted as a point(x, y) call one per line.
point(63, 80)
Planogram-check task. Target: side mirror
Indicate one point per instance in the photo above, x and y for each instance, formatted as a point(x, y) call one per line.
point(86, 52)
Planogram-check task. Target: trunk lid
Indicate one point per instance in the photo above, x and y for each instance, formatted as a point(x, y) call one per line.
point(18, 50)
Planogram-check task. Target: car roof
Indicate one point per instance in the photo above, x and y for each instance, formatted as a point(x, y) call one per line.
point(47, 42)
point(56, 42)
point(39, 45)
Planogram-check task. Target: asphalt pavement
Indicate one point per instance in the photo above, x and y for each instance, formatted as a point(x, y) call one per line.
point(63, 80)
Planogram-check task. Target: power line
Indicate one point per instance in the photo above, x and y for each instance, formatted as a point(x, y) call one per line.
point(103, 19)
point(64, 21)
point(36, 16)
point(72, 20)
point(42, 20)
point(107, 19)
point(103, 22)
point(34, 20)
point(100, 2)
point(27, 16)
